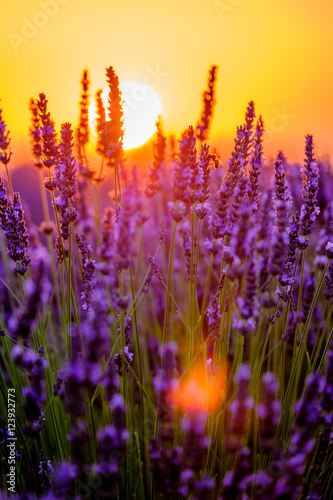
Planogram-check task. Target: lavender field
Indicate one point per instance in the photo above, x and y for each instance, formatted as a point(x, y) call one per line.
point(174, 341)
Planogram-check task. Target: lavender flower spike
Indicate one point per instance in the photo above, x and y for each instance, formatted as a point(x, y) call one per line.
point(202, 128)
point(13, 224)
point(50, 149)
point(66, 179)
point(310, 177)
point(4, 142)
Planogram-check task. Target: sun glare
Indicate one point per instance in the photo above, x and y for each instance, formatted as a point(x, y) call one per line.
point(141, 106)
point(200, 392)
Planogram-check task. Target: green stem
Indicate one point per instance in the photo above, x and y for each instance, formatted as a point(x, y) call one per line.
point(168, 291)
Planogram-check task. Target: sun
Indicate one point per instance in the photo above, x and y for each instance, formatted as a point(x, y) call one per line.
point(141, 107)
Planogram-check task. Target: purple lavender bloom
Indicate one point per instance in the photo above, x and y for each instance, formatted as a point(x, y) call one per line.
point(204, 177)
point(153, 270)
point(50, 149)
point(186, 237)
point(38, 290)
point(293, 244)
point(162, 229)
point(307, 413)
point(64, 474)
point(268, 411)
point(58, 385)
point(163, 382)
point(184, 166)
point(236, 480)
point(88, 271)
point(239, 408)
point(65, 175)
point(195, 442)
point(188, 161)
point(4, 141)
point(309, 288)
point(95, 332)
point(242, 234)
point(46, 471)
point(13, 224)
point(220, 217)
point(36, 134)
point(34, 394)
point(155, 173)
point(111, 444)
point(214, 319)
point(125, 227)
point(177, 210)
point(256, 162)
point(107, 246)
point(74, 377)
point(225, 214)
point(263, 225)
point(125, 358)
point(282, 203)
point(307, 417)
point(248, 304)
point(110, 381)
point(310, 177)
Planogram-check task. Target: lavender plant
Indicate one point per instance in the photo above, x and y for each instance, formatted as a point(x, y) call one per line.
point(173, 338)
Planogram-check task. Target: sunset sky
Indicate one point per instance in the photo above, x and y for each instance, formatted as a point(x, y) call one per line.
point(275, 52)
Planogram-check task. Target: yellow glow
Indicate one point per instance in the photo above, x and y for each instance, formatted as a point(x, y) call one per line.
point(277, 53)
point(200, 392)
point(141, 107)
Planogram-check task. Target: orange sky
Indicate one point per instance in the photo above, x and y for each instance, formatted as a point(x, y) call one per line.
point(275, 52)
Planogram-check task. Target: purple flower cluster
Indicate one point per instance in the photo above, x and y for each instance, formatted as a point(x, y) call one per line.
point(65, 176)
point(281, 202)
point(178, 471)
point(38, 290)
point(256, 163)
point(125, 227)
point(310, 177)
point(153, 270)
point(36, 134)
point(50, 148)
point(13, 224)
point(239, 408)
point(88, 272)
point(214, 319)
point(34, 394)
point(124, 359)
point(128, 411)
point(5, 154)
point(225, 212)
point(156, 172)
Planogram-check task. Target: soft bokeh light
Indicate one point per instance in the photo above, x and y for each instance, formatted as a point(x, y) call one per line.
point(201, 391)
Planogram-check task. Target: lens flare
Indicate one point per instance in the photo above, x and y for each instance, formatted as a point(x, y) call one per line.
point(202, 391)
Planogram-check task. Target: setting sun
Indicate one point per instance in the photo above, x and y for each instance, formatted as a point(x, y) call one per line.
point(141, 107)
